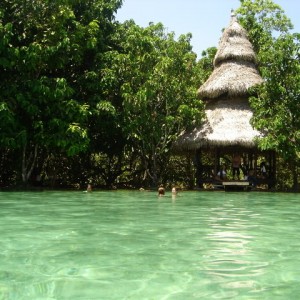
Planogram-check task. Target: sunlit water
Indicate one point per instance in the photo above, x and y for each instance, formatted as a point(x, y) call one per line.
point(134, 245)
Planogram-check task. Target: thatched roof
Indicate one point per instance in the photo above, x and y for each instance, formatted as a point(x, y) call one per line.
point(234, 45)
point(228, 112)
point(234, 65)
point(226, 125)
point(230, 79)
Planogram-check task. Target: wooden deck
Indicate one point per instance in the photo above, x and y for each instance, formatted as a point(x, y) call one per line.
point(236, 185)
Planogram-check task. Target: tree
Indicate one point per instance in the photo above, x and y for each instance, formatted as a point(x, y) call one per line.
point(277, 105)
point(205, 64)
point(48, 57)
point(156, 78)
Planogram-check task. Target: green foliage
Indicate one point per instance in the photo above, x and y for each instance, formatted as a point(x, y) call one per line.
point(263, 19)
point(276, 106)
point(156, 78)
point(49, 64)
point(205, 63)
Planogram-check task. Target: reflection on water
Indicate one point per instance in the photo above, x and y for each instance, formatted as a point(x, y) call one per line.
point(134, 245)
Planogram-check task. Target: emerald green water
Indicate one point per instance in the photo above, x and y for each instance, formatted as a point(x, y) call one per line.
point(134, 245)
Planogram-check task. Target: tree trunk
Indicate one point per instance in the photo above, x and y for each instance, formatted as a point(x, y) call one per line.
point(154, 172)
point(28, 163)
point(295, 179)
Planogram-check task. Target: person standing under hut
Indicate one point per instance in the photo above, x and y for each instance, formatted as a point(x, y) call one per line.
point(236, 164)
point(222, 175)
point(263, 170)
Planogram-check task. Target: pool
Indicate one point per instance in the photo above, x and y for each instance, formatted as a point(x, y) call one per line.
point(135, 245)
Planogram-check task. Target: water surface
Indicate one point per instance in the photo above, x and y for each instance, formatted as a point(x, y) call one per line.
point(134, 245)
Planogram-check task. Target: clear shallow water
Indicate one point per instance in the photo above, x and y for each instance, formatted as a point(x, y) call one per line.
point(134, 245)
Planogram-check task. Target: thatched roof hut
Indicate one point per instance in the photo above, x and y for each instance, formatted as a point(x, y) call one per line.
point(226, 93)
point(227, 131)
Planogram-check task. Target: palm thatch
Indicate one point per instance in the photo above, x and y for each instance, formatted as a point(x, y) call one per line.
point(227, 124)
point(234, 65)
point(234, 45)
point(230, 79)
point(228, 112)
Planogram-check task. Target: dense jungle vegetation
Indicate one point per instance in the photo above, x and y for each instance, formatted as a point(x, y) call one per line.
point(84, 98)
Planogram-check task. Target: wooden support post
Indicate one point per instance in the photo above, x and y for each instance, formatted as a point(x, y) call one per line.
point(217, 161)
point(199, 168)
